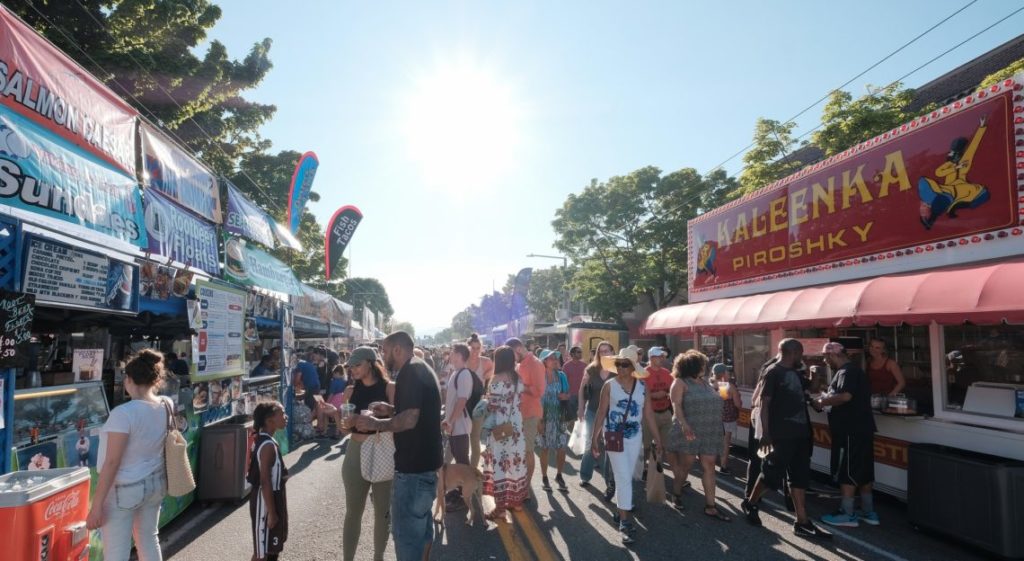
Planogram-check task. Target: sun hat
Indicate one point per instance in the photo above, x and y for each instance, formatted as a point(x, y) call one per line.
point(362, 354)
point(630, 354)
point(547, 353)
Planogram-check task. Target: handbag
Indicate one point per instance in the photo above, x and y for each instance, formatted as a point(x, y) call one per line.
point(613, 440)
point(377, 458)
point(180, 481)
point(507, 430)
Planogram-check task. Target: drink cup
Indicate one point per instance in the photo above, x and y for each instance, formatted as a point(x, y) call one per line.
point(348, 410)
point(723, 390)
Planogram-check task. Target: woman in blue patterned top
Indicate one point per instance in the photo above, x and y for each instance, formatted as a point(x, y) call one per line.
point(623, 407)
point(553, 434)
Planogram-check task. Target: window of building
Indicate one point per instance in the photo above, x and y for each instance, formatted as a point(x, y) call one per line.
point(985, 369)
point(751, 349)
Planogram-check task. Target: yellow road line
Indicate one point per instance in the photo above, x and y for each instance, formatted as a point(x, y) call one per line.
point(513, 545)
point(541, 545)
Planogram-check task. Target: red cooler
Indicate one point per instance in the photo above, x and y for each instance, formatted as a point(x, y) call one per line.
point(43, 513)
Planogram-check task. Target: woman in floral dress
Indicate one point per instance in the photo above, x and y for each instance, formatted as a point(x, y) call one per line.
point(552, 434)
point(504, 461)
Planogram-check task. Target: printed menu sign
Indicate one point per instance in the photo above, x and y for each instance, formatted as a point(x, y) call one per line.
point(16, 313)
point(58, 273)
point(87, 364)
point(218, 344)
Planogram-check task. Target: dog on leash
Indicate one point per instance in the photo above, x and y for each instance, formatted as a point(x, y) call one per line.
point(454, 476)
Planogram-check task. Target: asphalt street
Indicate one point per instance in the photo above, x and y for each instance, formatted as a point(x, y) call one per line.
point(573, 525)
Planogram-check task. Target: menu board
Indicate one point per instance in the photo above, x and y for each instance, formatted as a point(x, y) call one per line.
point(58, 273)
point(87, 364)
point(16, 312)
point(218, 345)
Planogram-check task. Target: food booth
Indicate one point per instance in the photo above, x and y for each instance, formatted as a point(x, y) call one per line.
point(914, 237)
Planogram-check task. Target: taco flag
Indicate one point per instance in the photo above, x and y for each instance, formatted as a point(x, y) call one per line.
point(339, 231)
point(302, 184)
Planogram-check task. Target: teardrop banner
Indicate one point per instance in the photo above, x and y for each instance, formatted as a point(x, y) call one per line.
point(302, 184)
point(339, 231)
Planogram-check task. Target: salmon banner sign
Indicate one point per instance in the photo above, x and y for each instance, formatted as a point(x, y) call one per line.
point(939, 190)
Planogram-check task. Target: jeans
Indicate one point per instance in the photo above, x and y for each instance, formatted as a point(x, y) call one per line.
point(133, 510)
point(412, 495)
point(587, 464)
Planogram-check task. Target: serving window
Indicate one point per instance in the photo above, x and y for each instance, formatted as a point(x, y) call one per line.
point(751, 349)
point(984, 370)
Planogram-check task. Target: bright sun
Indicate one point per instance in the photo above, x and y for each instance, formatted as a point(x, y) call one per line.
point(462, 126)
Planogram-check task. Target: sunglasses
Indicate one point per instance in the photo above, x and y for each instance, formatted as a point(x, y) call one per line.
point(623, 364)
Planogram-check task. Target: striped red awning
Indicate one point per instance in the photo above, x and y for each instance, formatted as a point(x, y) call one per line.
point(984, 295)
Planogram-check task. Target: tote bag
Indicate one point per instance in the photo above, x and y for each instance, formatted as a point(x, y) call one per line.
point(377, 458)
point(180, 481)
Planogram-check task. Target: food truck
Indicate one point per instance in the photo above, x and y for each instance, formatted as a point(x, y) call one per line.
point(914, 237)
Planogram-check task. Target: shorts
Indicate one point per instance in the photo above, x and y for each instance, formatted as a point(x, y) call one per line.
point(790, 458)
point(310, 400)
point(268, 541)
point(853, 459)
point(664, 421)
point(730, 428)
point(530, 433)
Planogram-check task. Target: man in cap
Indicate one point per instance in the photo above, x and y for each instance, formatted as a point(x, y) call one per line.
point(852, 425)
point(531, 372)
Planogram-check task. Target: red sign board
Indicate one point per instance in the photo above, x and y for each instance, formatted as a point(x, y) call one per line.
point(40, 82)
point(946, 179)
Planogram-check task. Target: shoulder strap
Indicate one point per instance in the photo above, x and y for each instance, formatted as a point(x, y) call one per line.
point(170, 413)
point(629, 403)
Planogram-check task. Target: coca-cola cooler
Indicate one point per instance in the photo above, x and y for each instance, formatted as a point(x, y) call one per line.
point(43, 514)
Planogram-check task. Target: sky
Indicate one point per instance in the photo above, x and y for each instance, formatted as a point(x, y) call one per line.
point(458, 128)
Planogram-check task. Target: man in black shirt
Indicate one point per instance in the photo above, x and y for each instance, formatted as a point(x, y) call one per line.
point(784, 435)
point(416, 423)
point(852, 425)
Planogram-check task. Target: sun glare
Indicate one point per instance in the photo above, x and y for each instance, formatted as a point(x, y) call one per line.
point(462, 126)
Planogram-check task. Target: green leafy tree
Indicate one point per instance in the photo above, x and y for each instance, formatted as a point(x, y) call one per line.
point(847, 121)
point(628, 235)
point(1000, 75)
point(404, 326)
point(365, 291)
point(769, 159)
point(462, 323)
point(147, 51)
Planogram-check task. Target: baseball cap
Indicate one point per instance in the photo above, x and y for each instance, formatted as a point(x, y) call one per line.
point(362, 354)
point(657, 351)
point(833, 347)
point(719, 368)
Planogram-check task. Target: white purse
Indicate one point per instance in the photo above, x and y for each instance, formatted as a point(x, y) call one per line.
point(377, 458)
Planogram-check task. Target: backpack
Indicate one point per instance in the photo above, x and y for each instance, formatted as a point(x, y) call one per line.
point(475, 395)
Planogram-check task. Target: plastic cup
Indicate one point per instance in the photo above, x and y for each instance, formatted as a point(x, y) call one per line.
point(723, 390)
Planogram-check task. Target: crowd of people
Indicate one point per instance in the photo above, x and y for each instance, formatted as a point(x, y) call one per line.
point(495, 412)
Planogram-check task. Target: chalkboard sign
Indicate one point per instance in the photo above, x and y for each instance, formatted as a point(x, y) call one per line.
point(16, 312)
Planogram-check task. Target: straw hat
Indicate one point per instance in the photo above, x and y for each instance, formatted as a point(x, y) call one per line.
point(630, 354)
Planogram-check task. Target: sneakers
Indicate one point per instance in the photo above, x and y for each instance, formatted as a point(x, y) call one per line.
point(750, 512)
point(870, 518)
point(561, 484)
point(609, 493)
point(840, 518)
point(677, 502)
point(809, 530)
point(584, 484)
point(545, 484)
point(625, 531)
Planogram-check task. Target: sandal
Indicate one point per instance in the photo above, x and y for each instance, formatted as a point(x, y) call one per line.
point(712, 511)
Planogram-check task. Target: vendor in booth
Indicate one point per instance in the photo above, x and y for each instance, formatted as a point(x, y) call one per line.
point(884, 374)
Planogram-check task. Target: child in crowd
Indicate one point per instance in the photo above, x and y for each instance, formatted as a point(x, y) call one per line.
point(268, 504)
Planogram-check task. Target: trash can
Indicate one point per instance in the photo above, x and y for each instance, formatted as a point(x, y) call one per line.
point(43, 514)
point(224, 459)
point(973, 497)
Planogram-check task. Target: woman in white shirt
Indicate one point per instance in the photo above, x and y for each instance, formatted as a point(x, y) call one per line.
point(133, 481)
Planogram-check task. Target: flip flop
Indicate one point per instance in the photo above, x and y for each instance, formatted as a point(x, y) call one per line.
point(713, 512)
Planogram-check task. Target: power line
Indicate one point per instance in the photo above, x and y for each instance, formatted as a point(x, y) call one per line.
point(850, 81)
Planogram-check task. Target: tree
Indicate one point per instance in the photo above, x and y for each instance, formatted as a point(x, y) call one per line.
point(1000, 75)
point(146, 50)
point(547, 291)
point(364, 291)
point(404, 326)
point(847, 121)
point(628, 235)
point(769, 160)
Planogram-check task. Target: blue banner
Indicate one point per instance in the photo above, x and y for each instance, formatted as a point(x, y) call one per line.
point(177, 174)
point(302, 184)
point(45, 174)
point(246, 219)
point(178, 234)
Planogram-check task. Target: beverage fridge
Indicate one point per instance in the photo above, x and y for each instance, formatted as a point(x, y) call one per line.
point(43, 514)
